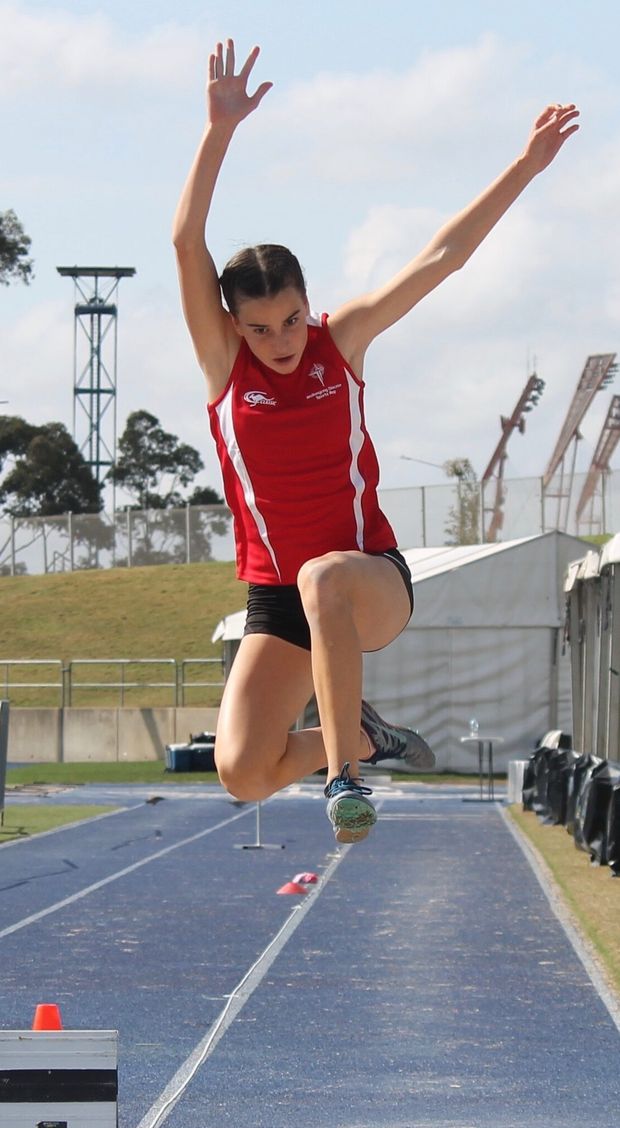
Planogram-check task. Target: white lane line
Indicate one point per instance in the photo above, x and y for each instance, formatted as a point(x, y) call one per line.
point(118, 874)
point(175, 1088)
point(585, 952)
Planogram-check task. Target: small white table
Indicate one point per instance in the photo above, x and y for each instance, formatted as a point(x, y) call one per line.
point(483, 742)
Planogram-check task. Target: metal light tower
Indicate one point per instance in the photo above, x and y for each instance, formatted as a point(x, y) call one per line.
point(495, 470)
point(592, 497)
point(95, 362)
point(558, 478)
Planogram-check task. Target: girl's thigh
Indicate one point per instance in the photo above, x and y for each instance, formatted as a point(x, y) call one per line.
point(268, 687)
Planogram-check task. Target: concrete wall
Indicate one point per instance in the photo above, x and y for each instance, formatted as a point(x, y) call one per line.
point(74, 734)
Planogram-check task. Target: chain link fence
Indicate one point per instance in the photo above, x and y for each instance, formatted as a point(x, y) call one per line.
point(131, 538)
point(453, 513)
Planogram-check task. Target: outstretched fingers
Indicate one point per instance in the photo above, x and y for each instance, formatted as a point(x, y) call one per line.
point(229, 68)
point(552, 128)
point(227, 94)
point(558, 115)
point(246, 69)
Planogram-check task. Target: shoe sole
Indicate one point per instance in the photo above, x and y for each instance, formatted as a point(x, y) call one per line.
point(346, 837)
point(351, 818)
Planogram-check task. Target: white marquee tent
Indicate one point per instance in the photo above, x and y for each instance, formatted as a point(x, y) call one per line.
point(485, 641)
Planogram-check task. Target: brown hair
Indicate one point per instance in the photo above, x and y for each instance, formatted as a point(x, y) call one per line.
point(260, 272)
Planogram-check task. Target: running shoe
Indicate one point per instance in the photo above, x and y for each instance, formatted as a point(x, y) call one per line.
point(395, 742)
point(348, 809)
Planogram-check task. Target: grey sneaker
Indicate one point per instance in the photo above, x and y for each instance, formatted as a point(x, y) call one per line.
point(348, 809)
point(395, 742)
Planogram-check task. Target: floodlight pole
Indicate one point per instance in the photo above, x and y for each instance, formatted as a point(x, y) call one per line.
point(598, 372)
point(495, 470)
point(95, 367)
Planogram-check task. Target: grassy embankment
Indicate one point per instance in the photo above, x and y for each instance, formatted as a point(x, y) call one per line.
point(163, 612)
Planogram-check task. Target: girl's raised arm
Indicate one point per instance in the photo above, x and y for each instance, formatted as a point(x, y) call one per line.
point(357, 323)
point(210, 326)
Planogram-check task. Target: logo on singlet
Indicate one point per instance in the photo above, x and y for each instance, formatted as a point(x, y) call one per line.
point(256, 399)
point(317, 372)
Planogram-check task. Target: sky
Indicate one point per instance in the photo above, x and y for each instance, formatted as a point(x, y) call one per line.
point(383, 121)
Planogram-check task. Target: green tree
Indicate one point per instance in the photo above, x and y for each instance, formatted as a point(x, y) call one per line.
point(48, 476)
point(14, 248)
point(152, 463)
point(153, 467)
point(463, 526)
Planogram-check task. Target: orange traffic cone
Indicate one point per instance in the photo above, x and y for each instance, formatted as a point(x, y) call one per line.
point(292, 887)
point(47, 1017)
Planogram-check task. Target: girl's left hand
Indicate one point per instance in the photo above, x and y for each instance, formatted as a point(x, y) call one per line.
point(550, 132)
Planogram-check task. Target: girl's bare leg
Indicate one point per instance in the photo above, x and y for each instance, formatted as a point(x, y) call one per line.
point(353, 603)
point(267, 690)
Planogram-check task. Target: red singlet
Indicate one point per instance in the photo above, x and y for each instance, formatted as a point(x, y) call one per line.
point(299, 468)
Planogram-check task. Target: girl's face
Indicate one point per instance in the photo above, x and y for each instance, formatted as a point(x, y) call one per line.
point(275, 328)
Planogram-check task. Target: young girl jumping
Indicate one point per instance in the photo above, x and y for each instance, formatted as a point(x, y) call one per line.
point(285, 402)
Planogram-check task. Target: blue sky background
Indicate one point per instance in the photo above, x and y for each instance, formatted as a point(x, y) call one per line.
point(382, 122)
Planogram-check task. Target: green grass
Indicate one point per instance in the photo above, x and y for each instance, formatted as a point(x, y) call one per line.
point(23, 820)
point(169, 611)
point(598, 539)
point(153, 771)
point(148, 771)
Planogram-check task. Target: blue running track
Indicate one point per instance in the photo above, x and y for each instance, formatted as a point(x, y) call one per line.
point(424, 981)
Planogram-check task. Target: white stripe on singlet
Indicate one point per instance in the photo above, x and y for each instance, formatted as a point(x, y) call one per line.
point(356, 441)
point(227, 428)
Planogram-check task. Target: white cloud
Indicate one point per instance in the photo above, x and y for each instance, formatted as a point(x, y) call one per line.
point(42, 52)
point(378, 125)
point(545, 285)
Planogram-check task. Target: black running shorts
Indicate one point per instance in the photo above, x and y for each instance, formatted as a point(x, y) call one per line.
point(276, 609)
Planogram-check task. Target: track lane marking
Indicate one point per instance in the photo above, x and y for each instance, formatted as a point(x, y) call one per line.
point(58, 905)
point(241, 994)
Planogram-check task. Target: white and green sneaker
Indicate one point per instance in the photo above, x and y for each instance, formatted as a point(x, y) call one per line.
point(348, 809)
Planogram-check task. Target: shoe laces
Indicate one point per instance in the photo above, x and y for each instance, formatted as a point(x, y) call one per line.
point(345, 782)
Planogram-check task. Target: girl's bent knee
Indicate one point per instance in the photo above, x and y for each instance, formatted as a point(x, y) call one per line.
point(322, 582)
point(241, 781)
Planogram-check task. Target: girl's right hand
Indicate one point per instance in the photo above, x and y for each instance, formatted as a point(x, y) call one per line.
point(227, 98)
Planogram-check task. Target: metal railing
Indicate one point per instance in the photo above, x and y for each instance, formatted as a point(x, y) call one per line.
point(125, 679)
point(183, 683)
point(8, 665)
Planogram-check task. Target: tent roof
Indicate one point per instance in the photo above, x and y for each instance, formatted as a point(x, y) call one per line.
point(231, 627)
point(610, 552)
point(516, 583)
point(426, 562)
